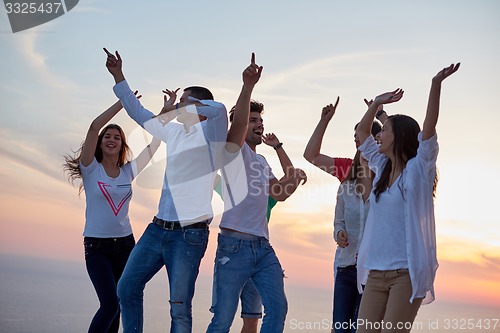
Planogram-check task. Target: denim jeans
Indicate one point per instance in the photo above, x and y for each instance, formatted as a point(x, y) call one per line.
point(180, 251)
point(236, 261)
point(105, 260)
point(346, 300)
point(251, 303)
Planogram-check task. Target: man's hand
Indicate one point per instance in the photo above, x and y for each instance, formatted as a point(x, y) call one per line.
point(252, 73)
point(270, 139)
point(172, 96)
point(168, 102)
point(328, 111)
point(114, 65)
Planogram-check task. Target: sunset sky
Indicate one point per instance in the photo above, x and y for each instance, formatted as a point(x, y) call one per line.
point(53, 83)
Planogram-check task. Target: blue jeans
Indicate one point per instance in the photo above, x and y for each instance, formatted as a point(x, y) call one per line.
point(180, 251)
point(346, 299)
point(251, 303)
point(236, 261)
point(105, 259)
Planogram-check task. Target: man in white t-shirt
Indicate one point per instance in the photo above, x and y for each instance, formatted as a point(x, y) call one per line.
point(243, 250)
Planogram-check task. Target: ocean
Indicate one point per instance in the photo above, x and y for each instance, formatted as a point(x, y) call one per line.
point(50, 296)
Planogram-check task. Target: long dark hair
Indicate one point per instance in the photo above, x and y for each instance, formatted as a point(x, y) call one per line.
point(72, 162)
point(405, 130)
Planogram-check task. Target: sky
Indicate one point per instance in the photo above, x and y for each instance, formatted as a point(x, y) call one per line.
point(54, 82)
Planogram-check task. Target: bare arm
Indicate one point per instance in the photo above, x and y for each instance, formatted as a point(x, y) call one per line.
point(237, 131)
point(89, 146)
point(432, 114)
point(281, 189)
point(312, 152)
point(381, 115)
point(272, 140)
point(146, 155)
point(364, 127)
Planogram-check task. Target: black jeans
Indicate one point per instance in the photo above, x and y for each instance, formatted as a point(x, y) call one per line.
point(105, 259)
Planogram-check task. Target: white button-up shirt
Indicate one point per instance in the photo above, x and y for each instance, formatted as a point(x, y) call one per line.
point(419, 224)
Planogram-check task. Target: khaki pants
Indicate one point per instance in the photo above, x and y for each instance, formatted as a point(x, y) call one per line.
point(385, 305)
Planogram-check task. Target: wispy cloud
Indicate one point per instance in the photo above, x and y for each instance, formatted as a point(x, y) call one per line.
point(26, 45)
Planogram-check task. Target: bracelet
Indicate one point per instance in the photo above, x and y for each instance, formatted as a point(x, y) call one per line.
point(379, 113)
point(278, 146)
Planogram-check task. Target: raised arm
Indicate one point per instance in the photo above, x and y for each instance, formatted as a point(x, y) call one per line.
point(114, 66)
point(432, 114)
point(363, 130)
point(312, 152)
point(381, 115)
point(237, 131)
point(89, 146)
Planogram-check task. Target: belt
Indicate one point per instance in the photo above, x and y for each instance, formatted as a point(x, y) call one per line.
point(175, 225)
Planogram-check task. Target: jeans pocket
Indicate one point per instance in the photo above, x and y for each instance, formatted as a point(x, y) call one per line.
point(196, 236)
point(91, 246)
point(228, 247)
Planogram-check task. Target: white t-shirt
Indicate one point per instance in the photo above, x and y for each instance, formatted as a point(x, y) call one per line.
point(245, 191)
point(107, 198)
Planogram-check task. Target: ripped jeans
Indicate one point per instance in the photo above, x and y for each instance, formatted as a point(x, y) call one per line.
point(236, 261)
point(180, 251)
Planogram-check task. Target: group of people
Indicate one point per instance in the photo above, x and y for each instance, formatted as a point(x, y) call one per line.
point(383, 225)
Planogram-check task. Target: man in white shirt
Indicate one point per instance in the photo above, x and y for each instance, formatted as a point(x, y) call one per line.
point(178, 236)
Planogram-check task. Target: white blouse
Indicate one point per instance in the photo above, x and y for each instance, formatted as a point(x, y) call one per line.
point(417, 181)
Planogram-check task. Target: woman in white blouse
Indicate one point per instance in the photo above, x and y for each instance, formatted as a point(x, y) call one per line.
point(397, 259)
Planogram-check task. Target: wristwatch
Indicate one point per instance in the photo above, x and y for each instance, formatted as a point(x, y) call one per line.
point(379, 113)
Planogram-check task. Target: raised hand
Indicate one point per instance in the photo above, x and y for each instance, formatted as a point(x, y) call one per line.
point(328, 111)
point(168, 103)
point(252, 73)
point(389, 97)
point(113, 63)
point(445, 72)
point(172, 96)
point(270, 139)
